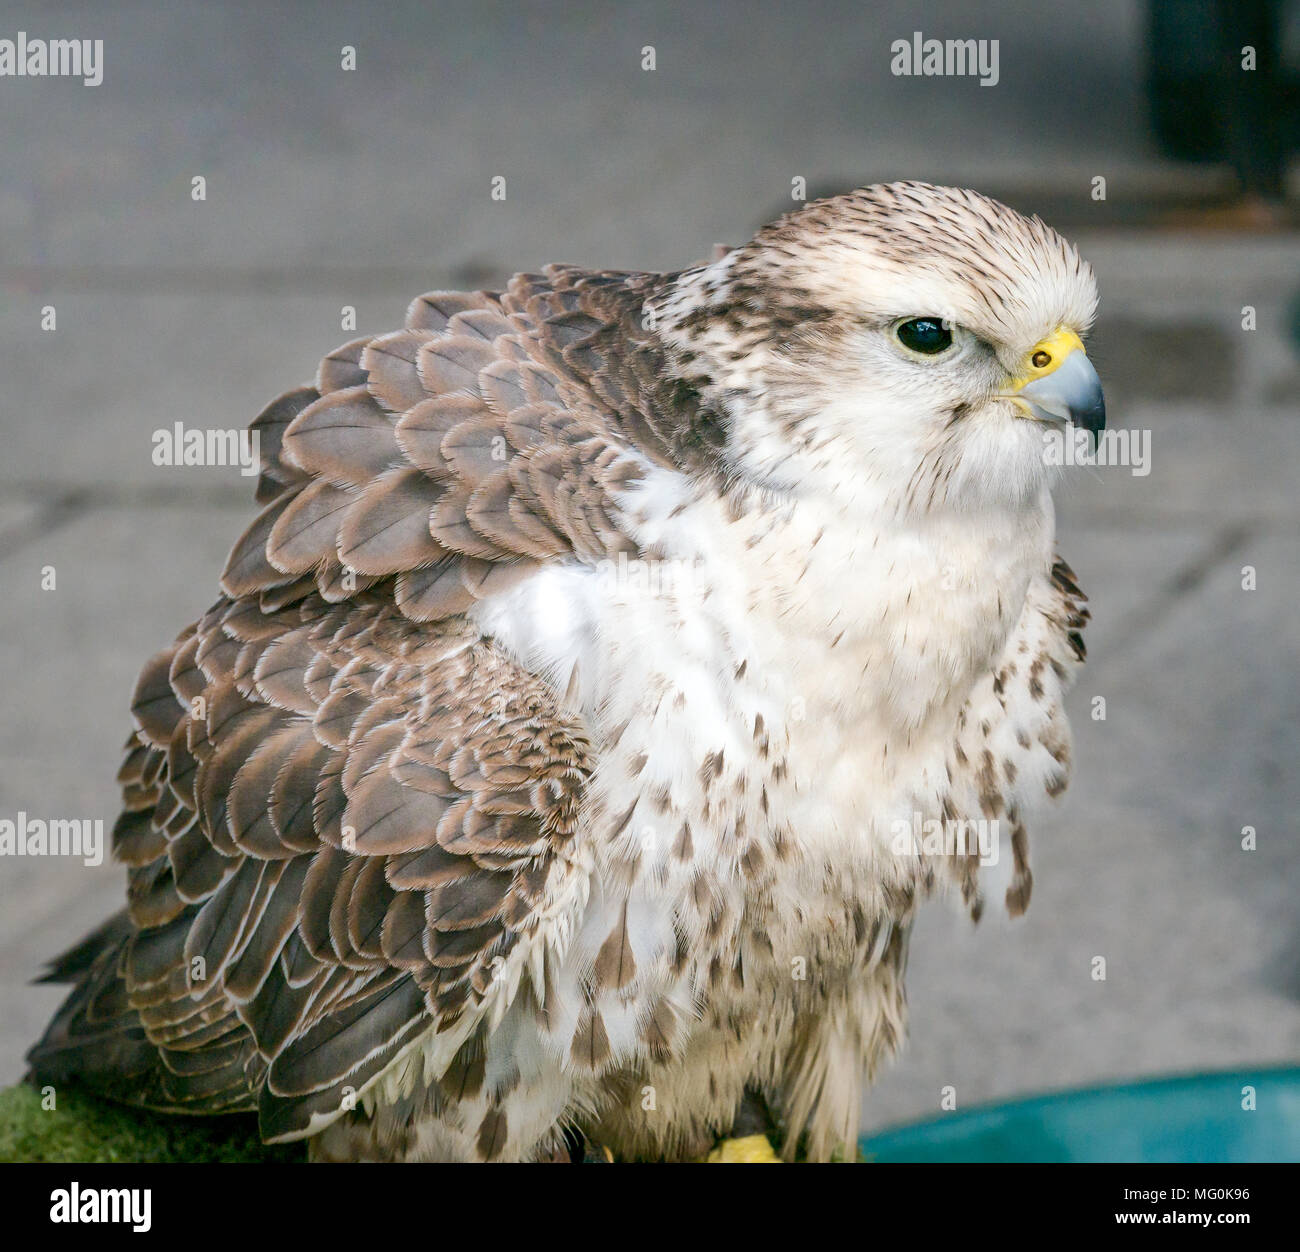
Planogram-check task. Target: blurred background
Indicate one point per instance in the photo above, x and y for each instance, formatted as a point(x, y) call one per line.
point(328, 188)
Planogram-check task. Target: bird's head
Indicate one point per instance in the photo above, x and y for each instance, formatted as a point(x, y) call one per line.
point(903, 346)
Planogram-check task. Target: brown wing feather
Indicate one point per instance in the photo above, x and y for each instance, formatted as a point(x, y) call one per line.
point(337, 889)
point(495, 428)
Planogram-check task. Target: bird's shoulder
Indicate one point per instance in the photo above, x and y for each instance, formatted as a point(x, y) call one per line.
point(446, 461)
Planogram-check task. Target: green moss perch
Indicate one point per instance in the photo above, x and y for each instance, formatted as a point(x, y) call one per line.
point(82, 1128)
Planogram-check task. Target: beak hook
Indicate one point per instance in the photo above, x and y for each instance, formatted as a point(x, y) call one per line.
point(1070, 393)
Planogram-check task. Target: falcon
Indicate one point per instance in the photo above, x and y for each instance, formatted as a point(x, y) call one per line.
point(533, 789)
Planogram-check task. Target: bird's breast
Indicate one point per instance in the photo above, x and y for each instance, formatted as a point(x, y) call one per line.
point(770, 689)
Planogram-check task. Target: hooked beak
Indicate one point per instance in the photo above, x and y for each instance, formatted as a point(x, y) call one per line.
point(1066, 388)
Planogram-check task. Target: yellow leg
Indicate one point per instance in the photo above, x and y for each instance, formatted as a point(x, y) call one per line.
point(751, 1150)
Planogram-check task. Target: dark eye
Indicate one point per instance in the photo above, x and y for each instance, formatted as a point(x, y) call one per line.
point(927, 335)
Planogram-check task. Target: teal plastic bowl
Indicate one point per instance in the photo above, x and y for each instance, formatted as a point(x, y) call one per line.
point(1197, 1117)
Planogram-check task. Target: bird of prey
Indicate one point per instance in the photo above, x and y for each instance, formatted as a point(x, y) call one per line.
point(535, 783)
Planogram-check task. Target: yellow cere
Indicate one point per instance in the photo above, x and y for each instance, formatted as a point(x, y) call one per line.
point(1056, 347)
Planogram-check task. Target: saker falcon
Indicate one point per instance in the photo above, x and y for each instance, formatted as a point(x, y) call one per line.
point(534, 784)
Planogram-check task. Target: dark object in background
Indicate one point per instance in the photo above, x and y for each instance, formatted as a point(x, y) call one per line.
point(1205, 106)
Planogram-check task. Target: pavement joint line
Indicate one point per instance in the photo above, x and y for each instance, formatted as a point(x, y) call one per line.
point(1072, 522)
point(63, 506)
point(309, 279)
point(48, 517)
point(127, 495)
point(1228, 540)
